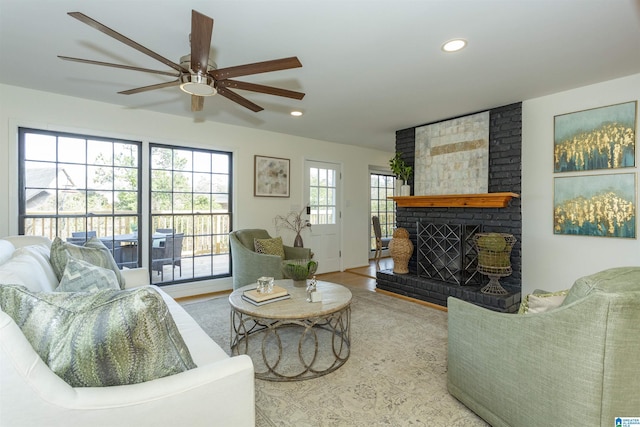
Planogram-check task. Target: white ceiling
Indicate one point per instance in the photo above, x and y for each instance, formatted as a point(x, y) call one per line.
point(369, 67)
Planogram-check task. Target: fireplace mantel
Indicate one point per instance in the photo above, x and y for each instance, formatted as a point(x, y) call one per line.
point(485, 200)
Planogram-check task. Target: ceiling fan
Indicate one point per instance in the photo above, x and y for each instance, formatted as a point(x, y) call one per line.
point(196, 73)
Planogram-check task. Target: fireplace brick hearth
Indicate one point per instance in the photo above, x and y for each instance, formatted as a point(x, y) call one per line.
point(505, 143)
point(437, 292)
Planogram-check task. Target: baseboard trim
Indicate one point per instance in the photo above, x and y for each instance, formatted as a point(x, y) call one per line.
point(417, 301)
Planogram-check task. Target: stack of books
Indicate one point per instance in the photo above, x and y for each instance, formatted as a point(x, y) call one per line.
point(254, 297)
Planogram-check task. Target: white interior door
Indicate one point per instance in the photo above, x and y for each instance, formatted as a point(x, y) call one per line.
point(322, 192)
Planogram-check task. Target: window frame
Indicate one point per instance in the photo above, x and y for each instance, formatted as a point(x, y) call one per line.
point(142, 216)
point(24, 216)
point(190, 238)
point(387, 216)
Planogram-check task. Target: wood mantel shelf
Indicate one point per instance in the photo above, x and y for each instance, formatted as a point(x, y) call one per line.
point(486, 200)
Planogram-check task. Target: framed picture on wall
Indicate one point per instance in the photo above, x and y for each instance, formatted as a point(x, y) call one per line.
point(600, 138)
point(271, 177)
point(595, 205)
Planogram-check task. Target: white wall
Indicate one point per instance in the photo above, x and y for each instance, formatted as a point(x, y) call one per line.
point(41, 110)
point(549, 261)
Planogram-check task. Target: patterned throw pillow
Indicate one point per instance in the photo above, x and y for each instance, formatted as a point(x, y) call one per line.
point(81, 276)
point(539, 302)
point(103, 338)
point(269, 246)
point(93, 252)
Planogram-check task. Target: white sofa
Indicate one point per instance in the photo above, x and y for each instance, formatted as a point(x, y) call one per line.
point(219, 392)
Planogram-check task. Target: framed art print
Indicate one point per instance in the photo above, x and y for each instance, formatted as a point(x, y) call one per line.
point(271, 177)
point(600, 138)
point(595, 205)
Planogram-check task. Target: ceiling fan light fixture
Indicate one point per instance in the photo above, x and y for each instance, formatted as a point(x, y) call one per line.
point(198, 84)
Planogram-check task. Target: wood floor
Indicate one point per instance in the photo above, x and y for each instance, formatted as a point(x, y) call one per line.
point(361, 277)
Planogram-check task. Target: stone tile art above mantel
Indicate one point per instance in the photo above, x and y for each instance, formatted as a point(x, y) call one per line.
point(485, 200)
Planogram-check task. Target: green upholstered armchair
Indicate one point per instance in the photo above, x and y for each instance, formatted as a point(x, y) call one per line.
point(577, 364)
point(248, 265)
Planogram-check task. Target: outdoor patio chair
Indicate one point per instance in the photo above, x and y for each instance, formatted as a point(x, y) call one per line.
point(380, 242)
point(170, 253)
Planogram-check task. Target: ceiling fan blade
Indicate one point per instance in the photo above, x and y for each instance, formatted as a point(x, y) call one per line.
point(151, 87)
point(126, 67)
point(239, 99)
point(108, 31)
point(269, 90)
point(201, 29)
point(256, 68)
point(197, 103)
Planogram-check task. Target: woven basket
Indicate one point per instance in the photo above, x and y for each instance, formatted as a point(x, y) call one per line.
point(401, 249)
point(494, 258)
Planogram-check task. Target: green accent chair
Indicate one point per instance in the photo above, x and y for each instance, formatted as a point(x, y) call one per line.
point(577, 364)
point(247, 265)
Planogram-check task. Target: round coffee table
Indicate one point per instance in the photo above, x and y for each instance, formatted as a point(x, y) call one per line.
point(293, 339)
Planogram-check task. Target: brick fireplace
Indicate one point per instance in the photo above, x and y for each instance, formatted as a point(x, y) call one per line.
point(505, 129)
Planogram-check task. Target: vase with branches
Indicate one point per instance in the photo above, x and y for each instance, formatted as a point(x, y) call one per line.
point(293, 221)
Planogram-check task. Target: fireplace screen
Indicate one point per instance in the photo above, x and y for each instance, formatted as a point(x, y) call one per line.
point(445, 252)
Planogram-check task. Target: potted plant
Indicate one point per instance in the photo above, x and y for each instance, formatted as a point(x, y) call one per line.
point(402, 171)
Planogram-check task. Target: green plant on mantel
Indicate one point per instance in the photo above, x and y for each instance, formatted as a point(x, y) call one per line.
point(399, 168)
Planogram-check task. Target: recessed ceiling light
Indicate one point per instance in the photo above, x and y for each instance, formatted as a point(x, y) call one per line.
point(296, 113)
point(454, 45)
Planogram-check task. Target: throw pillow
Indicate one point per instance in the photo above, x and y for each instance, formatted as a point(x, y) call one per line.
point(81, 276)
point(539, 302)
point(269, 246)
point(103, 338)
point(94, 252)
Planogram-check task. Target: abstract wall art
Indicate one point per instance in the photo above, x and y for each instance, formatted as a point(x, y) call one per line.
point(271, 177)
point(595, 205)
point(600, 138)
point(452, 157)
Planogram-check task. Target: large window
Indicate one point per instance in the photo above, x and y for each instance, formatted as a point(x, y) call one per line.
point(78, 186)
point(190, 209)
point(382, 187)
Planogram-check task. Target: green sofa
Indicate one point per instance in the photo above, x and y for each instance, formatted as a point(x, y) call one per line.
point(248, 265)
point(578, 364)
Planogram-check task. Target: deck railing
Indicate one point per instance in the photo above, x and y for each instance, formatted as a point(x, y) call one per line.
point(202, 234)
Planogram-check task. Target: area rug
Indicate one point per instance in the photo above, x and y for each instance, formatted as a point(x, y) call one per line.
point(395, 376)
